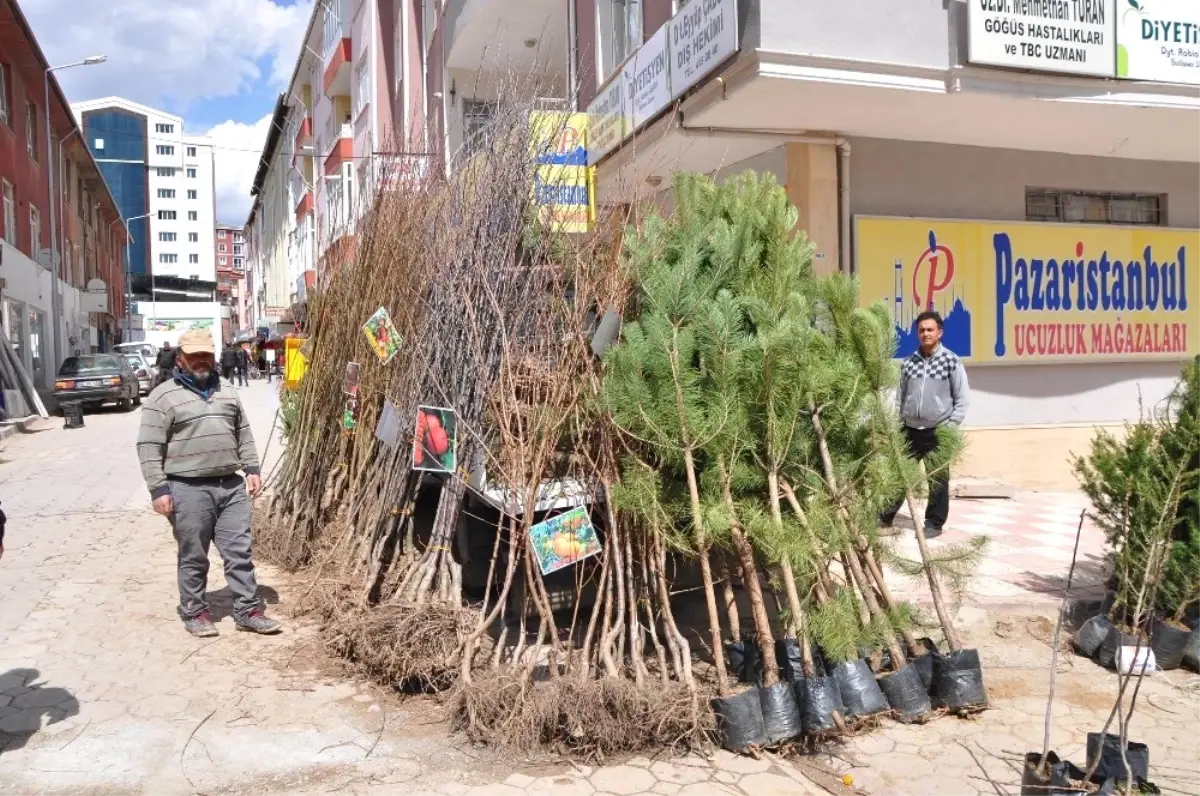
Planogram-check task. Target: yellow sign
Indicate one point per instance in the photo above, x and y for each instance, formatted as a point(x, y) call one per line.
point(562, 186)
point(1025, 293)
point(295, 365)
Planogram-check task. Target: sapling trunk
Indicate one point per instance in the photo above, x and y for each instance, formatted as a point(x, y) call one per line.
point(785, 566)
point(758, 606)
point(1062, 610)
point(850, 559)
point(730, 597)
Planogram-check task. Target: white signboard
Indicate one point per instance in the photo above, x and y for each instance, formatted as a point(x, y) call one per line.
point(1159, 40)
point(703, 34)
point(606, 121)
point(1068, 36)
point(647, 79)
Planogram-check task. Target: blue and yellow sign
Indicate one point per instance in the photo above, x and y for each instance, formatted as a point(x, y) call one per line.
point(1026, 293)
point(562, 181)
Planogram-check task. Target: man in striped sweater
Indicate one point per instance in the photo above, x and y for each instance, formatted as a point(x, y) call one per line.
point(193, 441)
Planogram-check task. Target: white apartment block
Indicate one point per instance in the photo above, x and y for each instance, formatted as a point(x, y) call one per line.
point(163, 180)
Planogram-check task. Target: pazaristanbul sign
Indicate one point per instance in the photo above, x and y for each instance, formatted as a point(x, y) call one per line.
point(1026, 293)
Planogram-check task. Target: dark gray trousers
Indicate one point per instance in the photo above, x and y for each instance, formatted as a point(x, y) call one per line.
point(207, 511)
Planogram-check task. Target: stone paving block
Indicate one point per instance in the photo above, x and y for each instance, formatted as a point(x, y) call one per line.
point(624, 780)
point(710, 789)
point(772, 785)
point(727, 761)
point(679, 774)
point(519, 780)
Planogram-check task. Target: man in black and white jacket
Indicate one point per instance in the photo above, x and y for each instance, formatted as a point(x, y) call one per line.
point(933, 391)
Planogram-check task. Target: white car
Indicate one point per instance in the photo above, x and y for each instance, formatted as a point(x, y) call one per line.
point(145, 371)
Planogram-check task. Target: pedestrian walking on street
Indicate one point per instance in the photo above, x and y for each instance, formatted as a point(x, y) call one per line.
point(933, 392)
point(229, 364)
point(194, 439)
point(243, 363)
point(165, 362)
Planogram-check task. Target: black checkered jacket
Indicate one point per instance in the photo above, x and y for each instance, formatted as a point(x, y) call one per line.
point(933, 390)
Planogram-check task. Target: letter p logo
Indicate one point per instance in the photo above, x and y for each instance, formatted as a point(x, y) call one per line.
point(939, 261)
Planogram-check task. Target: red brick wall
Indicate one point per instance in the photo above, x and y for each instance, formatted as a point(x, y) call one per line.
point(28, 178)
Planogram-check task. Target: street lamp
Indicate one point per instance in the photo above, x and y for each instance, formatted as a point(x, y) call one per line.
point(129, 276)
point(55, 302)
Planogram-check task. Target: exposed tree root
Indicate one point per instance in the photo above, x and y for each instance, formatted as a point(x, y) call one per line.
point(413, 647)
point(592, 719)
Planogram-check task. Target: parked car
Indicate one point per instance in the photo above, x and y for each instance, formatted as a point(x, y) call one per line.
point(144, 371)
point(95, 379)
point(142, 347)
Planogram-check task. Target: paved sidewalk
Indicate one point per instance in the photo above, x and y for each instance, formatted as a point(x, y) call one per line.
point(102, 692)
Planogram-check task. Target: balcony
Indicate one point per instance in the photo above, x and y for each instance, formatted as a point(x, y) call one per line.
point(304, 206)
point(517, 35)
point(341, 150)
point(336, 47)
point(304, 139)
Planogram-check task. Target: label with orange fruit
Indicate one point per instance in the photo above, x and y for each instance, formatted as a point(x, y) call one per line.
point(564, 539)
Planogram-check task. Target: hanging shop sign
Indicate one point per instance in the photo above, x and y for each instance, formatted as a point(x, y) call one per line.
point(703, 35)
point(647, 79)
point(1074, 37)
point(1024, 293)
point(561, 181)
point(607, 121)
point(1159, 40)
point(694, 42)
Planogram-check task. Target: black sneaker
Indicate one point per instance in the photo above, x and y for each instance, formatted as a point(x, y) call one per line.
point(257, 622)
point(201, 625)
point(932, 531)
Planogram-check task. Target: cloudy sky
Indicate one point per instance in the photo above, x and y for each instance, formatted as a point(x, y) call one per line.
point(217, 63)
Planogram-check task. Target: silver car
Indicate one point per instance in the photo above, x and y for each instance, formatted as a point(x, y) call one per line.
point(144, 371)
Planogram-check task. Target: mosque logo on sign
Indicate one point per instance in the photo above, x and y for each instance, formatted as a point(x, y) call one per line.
point(930, 286)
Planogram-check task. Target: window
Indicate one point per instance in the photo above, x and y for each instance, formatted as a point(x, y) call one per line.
point(192, 194)
point(476, 117)
point(31, 130)
point(221, 247)
point(3, 94)
point(620, 32)
point(237, 248)
point(166, 193)
point(98, 143)
point(166, 215)
point(221, 234)
point(168, 258)
point(193, 258)
point(166, 237)
point(191, 152)
point(10, 214)
point(222, 260)
point(193, 237)
point(362, 86)
point(1082, 207)
point(35, 231)
point(191, 173)
point(239, 263)
point(164, 128)
point(165, 172)
point(193, 215)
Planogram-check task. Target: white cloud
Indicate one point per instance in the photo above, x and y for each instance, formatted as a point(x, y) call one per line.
point(168, 54)
point(238, 149)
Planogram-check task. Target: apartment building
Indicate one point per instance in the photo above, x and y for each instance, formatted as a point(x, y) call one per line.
point(62, 285)
point(163, 179)
point(230, 247)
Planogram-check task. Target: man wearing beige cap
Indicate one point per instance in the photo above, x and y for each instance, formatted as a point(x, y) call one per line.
point(193, 441)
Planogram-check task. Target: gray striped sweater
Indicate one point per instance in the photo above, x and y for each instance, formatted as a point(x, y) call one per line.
point(185, 436)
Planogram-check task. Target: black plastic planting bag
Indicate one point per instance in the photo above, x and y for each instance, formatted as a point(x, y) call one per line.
point(1106, 653)
point(1091, 634)
point(958, 680)
point(1191, 652)
point(780, 715)
point(1168, 643)
point(860, 692)
point(1059, 778)
point(791, 660)
point(1111, 765)
point(740, 721)
point(820, 699)
point(745, 660)
point(905, 693)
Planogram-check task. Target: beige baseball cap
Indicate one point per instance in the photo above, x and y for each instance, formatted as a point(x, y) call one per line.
point(197, 341)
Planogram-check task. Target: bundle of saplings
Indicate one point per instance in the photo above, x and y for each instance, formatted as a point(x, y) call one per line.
point(1143, 490)
point(753, 398)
